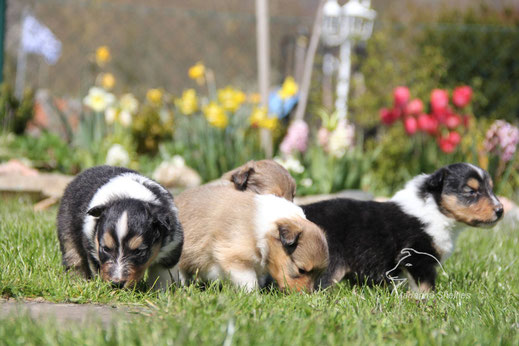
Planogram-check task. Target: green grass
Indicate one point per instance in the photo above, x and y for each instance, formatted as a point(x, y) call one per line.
point(477, 302)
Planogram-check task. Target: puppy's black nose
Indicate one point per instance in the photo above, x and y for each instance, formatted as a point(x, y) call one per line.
point(119, 284)
point(499, 211)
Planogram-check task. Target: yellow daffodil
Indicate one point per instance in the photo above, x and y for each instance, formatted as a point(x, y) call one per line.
point(103, 55)
point(231, 99)
point(197, 72)
point(269, 123)
point(107, 81)
point(259, 118)
point(254, 98)
point(188, 103)
point(258, 114)
point(154, 96)
point(215, 115)
point(288, 89)
point(98, 99)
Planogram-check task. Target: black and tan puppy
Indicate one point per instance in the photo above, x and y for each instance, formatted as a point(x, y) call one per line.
point(375, 242)
point(264, 177)
point(118, 223)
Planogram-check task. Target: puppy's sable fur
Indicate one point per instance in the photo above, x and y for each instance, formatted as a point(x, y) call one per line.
point(243, 236)
point(368, 240)
point(264, 177)
point(117, 223)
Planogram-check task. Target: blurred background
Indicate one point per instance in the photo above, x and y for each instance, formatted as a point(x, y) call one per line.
point(191, 69)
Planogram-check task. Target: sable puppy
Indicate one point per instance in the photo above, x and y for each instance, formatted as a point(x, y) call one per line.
point(375, 242)
point(243, 236)
point(262, 177)
point(117, 223)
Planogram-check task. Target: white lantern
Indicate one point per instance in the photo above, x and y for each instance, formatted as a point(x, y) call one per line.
point(357, 20)
point(343, 26)
point(331, 27)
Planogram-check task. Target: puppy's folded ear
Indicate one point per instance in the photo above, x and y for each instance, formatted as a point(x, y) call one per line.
point(242, 175)
point(434, 182)
point(96, 211)
point(289, 236)
point(160, 217)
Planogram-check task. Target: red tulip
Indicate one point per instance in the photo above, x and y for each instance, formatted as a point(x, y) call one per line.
point(454, 138)
point(427, 123)
point(446, 145)
point(439, 100)
point(414, 107)
point(410, 125)
point(461, 96)
point(453, 121)
point(387, 116)
point(401, 96)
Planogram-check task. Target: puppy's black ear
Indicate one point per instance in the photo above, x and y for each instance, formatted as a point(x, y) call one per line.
point(241, 176)
point(160, 217)
point(434, 182)
point(288, 237)
point(97, 210)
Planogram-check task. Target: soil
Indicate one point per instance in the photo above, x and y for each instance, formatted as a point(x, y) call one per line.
point(64, 312)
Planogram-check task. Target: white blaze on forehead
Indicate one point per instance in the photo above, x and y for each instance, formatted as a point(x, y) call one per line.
point(122, 228)
point(269, 209)
point(480, 171)
point(127, 185)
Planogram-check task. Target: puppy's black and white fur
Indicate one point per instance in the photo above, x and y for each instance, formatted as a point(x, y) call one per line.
point(372, 242)
point(118, 223)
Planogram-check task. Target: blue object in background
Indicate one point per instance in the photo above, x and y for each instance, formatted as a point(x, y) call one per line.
point(279, 107)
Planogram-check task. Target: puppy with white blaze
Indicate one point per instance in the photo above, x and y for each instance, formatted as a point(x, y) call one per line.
point(374, 242)
point(117, 223)
point(242, 236)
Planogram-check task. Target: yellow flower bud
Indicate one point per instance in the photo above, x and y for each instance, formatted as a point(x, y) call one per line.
point(197, 71)
point(154, 96)
point(103, 55)
point(107, 81)
point(288, 89)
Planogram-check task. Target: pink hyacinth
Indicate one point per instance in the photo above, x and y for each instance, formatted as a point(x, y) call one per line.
point(502, 139)
point(296, 138)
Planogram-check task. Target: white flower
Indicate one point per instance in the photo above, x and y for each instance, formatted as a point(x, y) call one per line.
point(125, 118)
point(306, 182)
point(98, 99)
point(291, 164)
point(117, 156)
point(341, 139)
point(110, 115)
point(164, 115)
point(129, 103)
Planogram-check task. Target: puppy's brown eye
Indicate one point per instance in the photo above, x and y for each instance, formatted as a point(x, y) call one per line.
point(469, 190)
point(302, 271)
point(105, 248)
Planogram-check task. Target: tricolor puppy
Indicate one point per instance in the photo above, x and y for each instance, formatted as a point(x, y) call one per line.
point(263, 177)
point(374, 242)
point(243, 236)
point(117, 223)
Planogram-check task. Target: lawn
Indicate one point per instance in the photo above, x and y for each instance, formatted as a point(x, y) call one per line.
point(477, 300)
